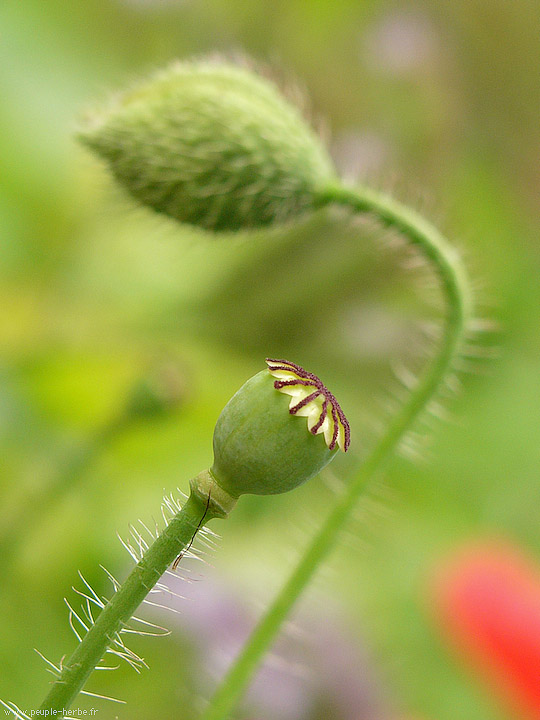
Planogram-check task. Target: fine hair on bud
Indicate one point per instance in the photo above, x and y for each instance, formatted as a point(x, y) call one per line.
point(211, 144)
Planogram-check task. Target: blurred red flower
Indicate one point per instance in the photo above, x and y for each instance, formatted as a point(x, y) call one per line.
point(487, 602)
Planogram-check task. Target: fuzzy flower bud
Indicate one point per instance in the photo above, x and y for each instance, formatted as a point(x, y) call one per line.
point(266, 440)
point(211, 144)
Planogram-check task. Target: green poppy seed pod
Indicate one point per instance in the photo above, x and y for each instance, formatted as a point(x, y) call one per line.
point(279, 430)
point(213, 145)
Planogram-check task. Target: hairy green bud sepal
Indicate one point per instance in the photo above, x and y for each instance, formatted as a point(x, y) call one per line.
point(262, 444)
point(213, 145)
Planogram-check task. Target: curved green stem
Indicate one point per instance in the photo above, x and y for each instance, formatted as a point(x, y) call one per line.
point(446, 263)
point(176, 536)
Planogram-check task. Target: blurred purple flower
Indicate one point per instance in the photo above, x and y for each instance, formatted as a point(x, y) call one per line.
point(321, 666)
point(401, 43)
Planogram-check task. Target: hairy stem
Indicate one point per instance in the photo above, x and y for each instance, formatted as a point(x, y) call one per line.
point(447, 265)
point(176, 536)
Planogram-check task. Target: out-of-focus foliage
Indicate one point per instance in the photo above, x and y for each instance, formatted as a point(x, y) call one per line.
point(437, 102)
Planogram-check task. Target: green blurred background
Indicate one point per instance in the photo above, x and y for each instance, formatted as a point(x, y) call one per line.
point(435, 101)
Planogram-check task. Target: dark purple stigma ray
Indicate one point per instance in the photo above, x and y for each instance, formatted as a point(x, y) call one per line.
point(284, 367)
point(346, 426)
point(293, 367)
point(284, 383)
point(336, 428)
point(336, 407)
point(304, 402)
point(308, 379)
point(322, 417)
point(284, 362)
